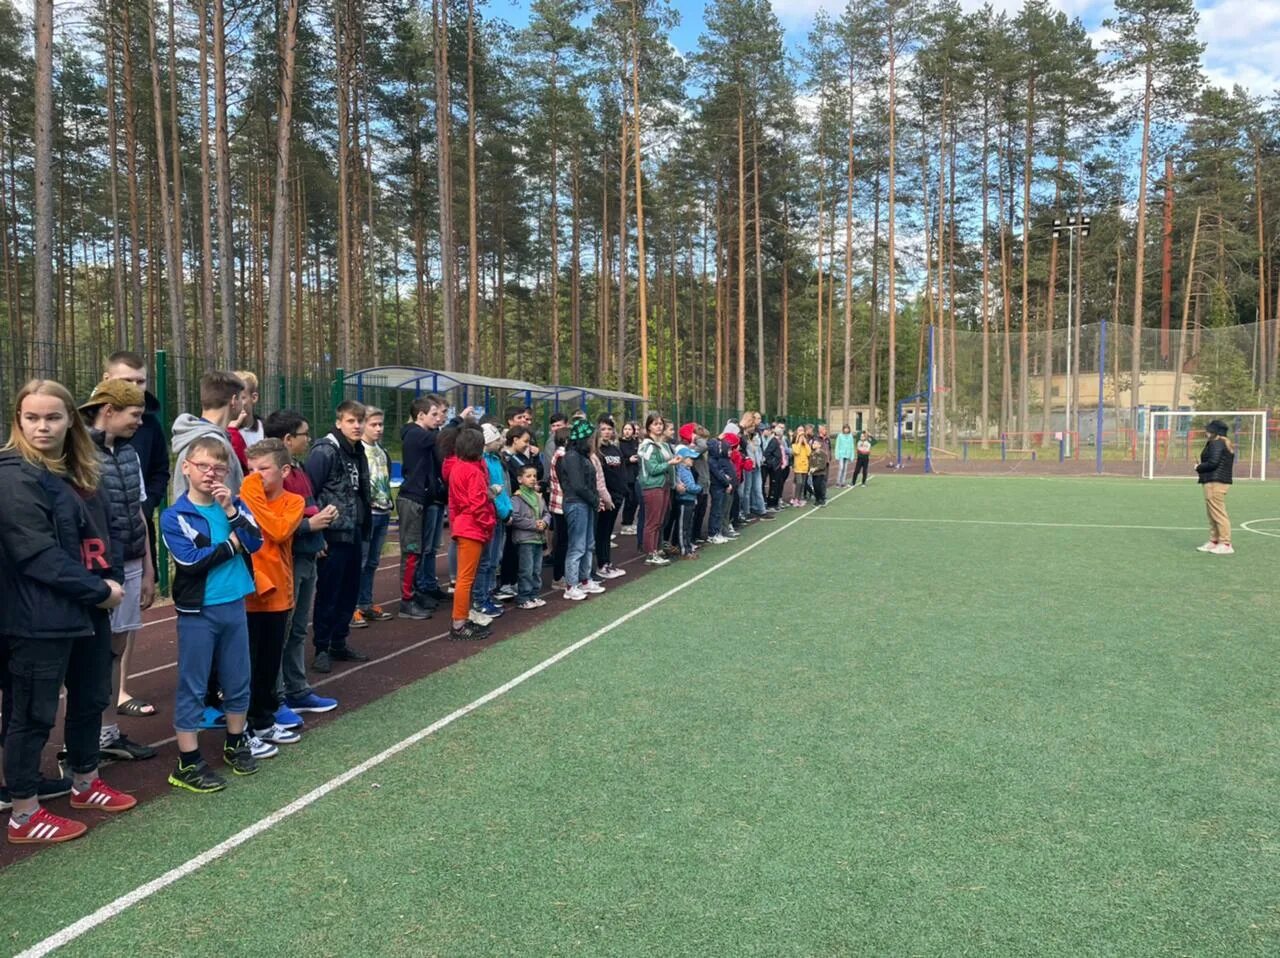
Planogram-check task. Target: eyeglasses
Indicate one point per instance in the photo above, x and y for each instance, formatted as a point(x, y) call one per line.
point(208, 468)
point(302, 435)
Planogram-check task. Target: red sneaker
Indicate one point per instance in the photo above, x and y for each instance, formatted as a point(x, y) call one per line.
point(102, 797)
point(45, 828)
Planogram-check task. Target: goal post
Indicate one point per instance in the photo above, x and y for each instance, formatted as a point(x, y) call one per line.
point(1173, 440)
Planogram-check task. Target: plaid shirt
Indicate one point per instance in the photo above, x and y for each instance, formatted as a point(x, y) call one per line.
point(557, 494)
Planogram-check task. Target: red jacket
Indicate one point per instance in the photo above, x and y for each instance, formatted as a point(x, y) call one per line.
point(471, 512)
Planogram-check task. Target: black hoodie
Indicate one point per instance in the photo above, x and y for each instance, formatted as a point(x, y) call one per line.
point(422, 482)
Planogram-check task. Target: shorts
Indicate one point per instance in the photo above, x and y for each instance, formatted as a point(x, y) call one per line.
point(409, 516)
point(127, 616)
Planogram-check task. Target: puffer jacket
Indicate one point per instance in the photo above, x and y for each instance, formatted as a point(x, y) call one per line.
point(701, 467)
point(339, 474)
point(719, 463)
point(186, 429)
point(153, 452)
point(121, 486)
point(1216, 460)
point(52, 556)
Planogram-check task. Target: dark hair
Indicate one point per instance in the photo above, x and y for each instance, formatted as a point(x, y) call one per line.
point(445, 441)
point(218, 388)
point(515, 432)
point(650, 419)
point(558, 417)
point(281, 423)
point(424, 404)
point(560, 436)
point(511, 412)
point(125, 357)
point(605, 419)
point(469, 445)
point(349, 407)
point(526, 468)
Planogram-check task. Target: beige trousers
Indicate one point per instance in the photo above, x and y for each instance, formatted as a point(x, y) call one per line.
point(1215, 502)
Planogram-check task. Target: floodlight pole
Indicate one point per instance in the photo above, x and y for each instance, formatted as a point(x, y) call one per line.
point(1072, 226)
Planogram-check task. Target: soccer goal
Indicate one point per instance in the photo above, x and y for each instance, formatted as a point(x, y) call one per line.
point(1173, 440)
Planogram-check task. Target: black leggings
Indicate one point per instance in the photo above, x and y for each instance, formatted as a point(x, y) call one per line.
point(861, 466)
point(630, 504)
point(561, 546)
point(604, 529)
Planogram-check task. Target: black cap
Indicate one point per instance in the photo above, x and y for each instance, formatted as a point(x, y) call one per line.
point(1217, 427)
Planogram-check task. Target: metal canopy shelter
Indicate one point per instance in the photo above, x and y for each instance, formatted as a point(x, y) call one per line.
point(582, 393)
point(421, 380)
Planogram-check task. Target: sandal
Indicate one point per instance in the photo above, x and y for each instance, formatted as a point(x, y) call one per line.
point(136, 708)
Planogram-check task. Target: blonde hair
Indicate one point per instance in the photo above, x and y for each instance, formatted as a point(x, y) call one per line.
point(249, 379)
point(79, 461)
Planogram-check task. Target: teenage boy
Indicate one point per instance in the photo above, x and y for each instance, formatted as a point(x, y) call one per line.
point(419, 507)
point(210, 534)
point(379, 520)
point(148, 441)
point(279, 514)
point(339, 474)
point(219, 406)
point(114, 413)
point(308, 543)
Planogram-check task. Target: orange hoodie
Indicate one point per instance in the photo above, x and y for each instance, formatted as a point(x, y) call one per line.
point(278, 519)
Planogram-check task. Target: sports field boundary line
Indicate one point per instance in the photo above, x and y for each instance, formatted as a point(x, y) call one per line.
point(1248, 527)
point(123, 903)
point(1010, 522)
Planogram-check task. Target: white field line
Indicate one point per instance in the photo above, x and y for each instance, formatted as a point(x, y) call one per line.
point(1002, 522)
point(1248, 527)
point(73, 931)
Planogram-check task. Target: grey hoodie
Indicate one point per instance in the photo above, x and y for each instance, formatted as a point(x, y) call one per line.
point(186, 429)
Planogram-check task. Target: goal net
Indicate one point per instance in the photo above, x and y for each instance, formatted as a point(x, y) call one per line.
point(1172, 442)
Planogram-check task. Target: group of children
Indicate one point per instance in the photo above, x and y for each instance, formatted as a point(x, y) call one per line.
point(271, 536)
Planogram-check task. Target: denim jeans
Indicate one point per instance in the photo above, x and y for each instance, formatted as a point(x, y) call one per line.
point(530, 577)
point(578, 556)
point(487, 574)
point(371, 554)
point(715, 517)
point(424, 575)
point(844, 468)
point(753, 494)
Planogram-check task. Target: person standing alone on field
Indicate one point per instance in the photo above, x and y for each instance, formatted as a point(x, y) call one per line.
point(1214, 468)
point(863, 463)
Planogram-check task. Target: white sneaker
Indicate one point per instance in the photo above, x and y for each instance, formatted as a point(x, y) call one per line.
point(608, 572)
point(574, 594)
point(260, 749)
point(1223, 549)
point(506, 593)
point(480, 618)
point(657, 559)
point(277, 735)
point(1207, 547)
point(628, 530)
point(591, 587)
point(718, 539)
point(617, 573)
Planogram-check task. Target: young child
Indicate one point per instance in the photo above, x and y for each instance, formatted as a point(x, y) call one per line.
point(687, 491)
point(210, 533)
point(1214, 473)
point(800, 450)
point(819, 461)
point(471, 522)
point(482, 597)
point(529, 522)
point(380, 518)
point(279, 513)
point(863, 463)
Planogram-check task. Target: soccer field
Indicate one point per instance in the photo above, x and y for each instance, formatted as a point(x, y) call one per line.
point(943, 716)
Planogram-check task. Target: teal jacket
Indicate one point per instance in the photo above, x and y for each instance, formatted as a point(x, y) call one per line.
point(844, 445)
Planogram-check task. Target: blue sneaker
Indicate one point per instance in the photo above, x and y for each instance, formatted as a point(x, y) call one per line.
point(490, 608)
point(311, 703)
point(286, 717)
point(213, 718)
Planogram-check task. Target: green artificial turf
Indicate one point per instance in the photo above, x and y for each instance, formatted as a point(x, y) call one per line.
point(864, 737)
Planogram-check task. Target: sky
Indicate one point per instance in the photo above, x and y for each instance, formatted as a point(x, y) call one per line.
point(1241, 37)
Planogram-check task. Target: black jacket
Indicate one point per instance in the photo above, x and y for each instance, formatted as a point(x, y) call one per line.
point(422, 481)
point(121, 488)
point(773, 454)
point(153, 451)
point(630, 447)
point(339, 474)
point(616, 476)
point(722, 471)
point(1216, 461)
point(53, 556)
point(578, 478)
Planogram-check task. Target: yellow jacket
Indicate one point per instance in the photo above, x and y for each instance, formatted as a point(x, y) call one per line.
point(800, 454)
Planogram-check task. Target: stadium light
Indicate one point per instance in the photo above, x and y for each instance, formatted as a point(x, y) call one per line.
point(1074, 225)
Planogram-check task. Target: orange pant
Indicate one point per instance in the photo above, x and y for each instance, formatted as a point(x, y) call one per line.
point(469, 551)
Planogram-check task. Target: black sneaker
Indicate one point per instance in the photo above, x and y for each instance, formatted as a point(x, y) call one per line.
point(412, 610)
point(239, 758)
point(321, 663)
point(48, 788)
point(347, 655)
point(469, 632)
point(197, 778)
point(438, 594)
point(126, 750)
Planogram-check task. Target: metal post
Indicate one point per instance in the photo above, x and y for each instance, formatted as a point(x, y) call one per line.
point(1071, 275)
point(928, 412)
point(336, 391)
point(162, 393)
point(1102, 367)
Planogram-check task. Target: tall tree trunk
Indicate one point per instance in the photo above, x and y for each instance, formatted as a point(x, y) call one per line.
point(278, 303)
point(620, 340)
point(742, 256)
point(891, 265)
point(1024, 391)
point(444, 184)
point(207, 323)
point(641, 278)
point(575, 271)
point(222, 150)
point(1186, 311)
point(342, 28)
point(604, 264)
point(45, 356)
point(1050, 300)
point(755, 195)
point(986, 274)
point(785, 387)
point(170, 221)
point(473, 238)
point(1166, 260)
point(113, 148)
point(553, 222)
point(1140, 253)
point(848, 256)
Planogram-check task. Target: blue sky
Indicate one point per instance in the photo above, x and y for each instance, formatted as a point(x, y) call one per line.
point(1242, 37)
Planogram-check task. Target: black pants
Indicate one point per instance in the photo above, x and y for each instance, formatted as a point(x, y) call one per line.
point(267, 631)
point(560, 548)
point(34, 672)
point(819, 482)
point(630, 504)
point(684, 525)
point(509, 569)
point(700, 515)
point(337, 589)
point(777, 481)
point(862, 465)
point(604, 529)
point(735, 507)
point(670, 532)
